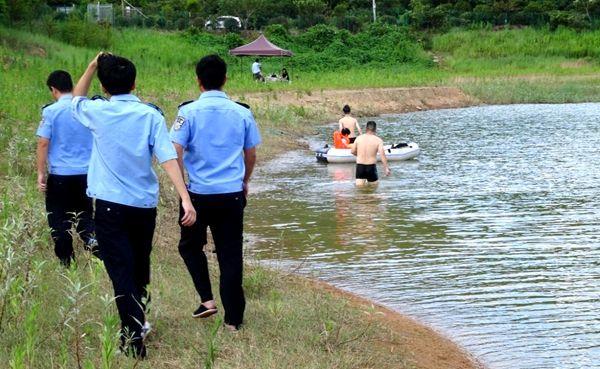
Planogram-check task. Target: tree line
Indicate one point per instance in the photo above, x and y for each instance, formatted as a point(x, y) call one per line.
point(352, 15)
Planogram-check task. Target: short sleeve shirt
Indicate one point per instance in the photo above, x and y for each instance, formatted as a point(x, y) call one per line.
point(70, 144)
point(127, 134)
point(214, 131)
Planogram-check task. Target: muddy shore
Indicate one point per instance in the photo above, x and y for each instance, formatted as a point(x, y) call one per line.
point(365, 102)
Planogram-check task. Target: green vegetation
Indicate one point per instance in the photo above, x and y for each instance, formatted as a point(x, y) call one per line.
point(349, 14)
point(50, 317)
point(56, 318)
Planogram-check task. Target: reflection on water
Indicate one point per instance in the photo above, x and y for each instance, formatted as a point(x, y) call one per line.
point(491, 236)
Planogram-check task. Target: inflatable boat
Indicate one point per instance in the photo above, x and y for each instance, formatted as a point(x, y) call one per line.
point(396, 152)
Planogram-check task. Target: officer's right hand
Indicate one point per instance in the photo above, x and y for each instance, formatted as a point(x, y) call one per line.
point(94, 62)
point(189, 214)
point(41, 182)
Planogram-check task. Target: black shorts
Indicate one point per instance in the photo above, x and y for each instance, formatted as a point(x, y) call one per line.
point(367, 171)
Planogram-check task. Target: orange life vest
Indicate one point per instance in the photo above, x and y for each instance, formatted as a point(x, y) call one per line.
point(339, 141)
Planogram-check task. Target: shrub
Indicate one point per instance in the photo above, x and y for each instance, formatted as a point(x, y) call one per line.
point(78, 32)
point(233, 40)
point(280, 20)
point(348, 22)
point(278, 34)
point(388, 19)
point(318, 37)
point(567, 19)
point(3, 11)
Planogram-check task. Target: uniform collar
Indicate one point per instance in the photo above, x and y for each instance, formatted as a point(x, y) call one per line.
point(65, 97)
point(124, 97)
point(213, 93)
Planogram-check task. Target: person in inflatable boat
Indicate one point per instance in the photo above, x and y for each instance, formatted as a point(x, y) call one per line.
point(341, 140)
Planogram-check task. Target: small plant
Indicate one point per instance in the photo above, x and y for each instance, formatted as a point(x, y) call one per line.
point(76, 293)
point(212, 349)
point(109, 334)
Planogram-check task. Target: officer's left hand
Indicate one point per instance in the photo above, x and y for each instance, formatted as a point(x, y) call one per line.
point(189, 214)
point(41, 182)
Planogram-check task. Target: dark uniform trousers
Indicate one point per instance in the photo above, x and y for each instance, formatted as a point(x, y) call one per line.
point(224, 214)
point(124, 236)
point(67, 204)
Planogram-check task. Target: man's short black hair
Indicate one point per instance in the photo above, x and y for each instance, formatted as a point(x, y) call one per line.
point(211, 71)
point(371, 126)
point(60, 80)
point(346, 109)
point(116, 74)
point(257, 60)
point(345, 131)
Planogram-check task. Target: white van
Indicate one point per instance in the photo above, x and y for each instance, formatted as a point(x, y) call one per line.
point(220, 22)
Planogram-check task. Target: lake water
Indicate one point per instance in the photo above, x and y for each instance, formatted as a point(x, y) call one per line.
point(492, 236)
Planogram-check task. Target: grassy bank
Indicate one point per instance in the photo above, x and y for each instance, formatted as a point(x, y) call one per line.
point(56, 318)
point(50, 317)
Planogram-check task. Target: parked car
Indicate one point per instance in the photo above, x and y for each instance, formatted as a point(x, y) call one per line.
point(220, 22)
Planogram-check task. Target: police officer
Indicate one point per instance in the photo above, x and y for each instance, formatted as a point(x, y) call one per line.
point(63, 155)
point(127, 134)
point(216, 139)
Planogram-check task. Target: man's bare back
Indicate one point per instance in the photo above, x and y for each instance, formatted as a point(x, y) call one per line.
point(351, 123)
point(366, 147)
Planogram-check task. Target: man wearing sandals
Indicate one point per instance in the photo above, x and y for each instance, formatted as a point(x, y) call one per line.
point(216, 141)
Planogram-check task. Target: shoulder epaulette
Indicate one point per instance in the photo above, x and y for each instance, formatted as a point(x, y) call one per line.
point(243, 104)
point(99, 97)
point(185, 103)
point(47, 105)
point(155, 107)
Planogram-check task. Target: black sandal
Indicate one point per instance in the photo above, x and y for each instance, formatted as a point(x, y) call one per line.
point(204, 312)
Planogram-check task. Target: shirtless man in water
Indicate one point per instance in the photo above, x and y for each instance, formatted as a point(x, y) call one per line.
point(366, 148)
point(349, 122)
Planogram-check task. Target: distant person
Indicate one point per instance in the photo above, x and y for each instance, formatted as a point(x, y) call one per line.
point(63, 155)
point(128, 134)
point(349, 122)
point(341, 140)
point(366, 147)
point(216, 142)
point(284, 75)
point(256, 71)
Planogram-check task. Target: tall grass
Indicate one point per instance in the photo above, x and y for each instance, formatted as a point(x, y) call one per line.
point(530, 42)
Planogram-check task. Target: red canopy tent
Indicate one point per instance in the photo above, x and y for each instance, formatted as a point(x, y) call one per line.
point(260, 47)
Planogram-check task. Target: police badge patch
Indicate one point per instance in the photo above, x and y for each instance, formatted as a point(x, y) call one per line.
point(178, 123)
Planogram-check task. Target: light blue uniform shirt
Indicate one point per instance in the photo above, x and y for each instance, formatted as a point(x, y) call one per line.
point(127, 133)
point(70, 144)
point(214, 131)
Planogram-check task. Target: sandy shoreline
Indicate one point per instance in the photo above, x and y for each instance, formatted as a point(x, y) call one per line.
point(424, 347)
